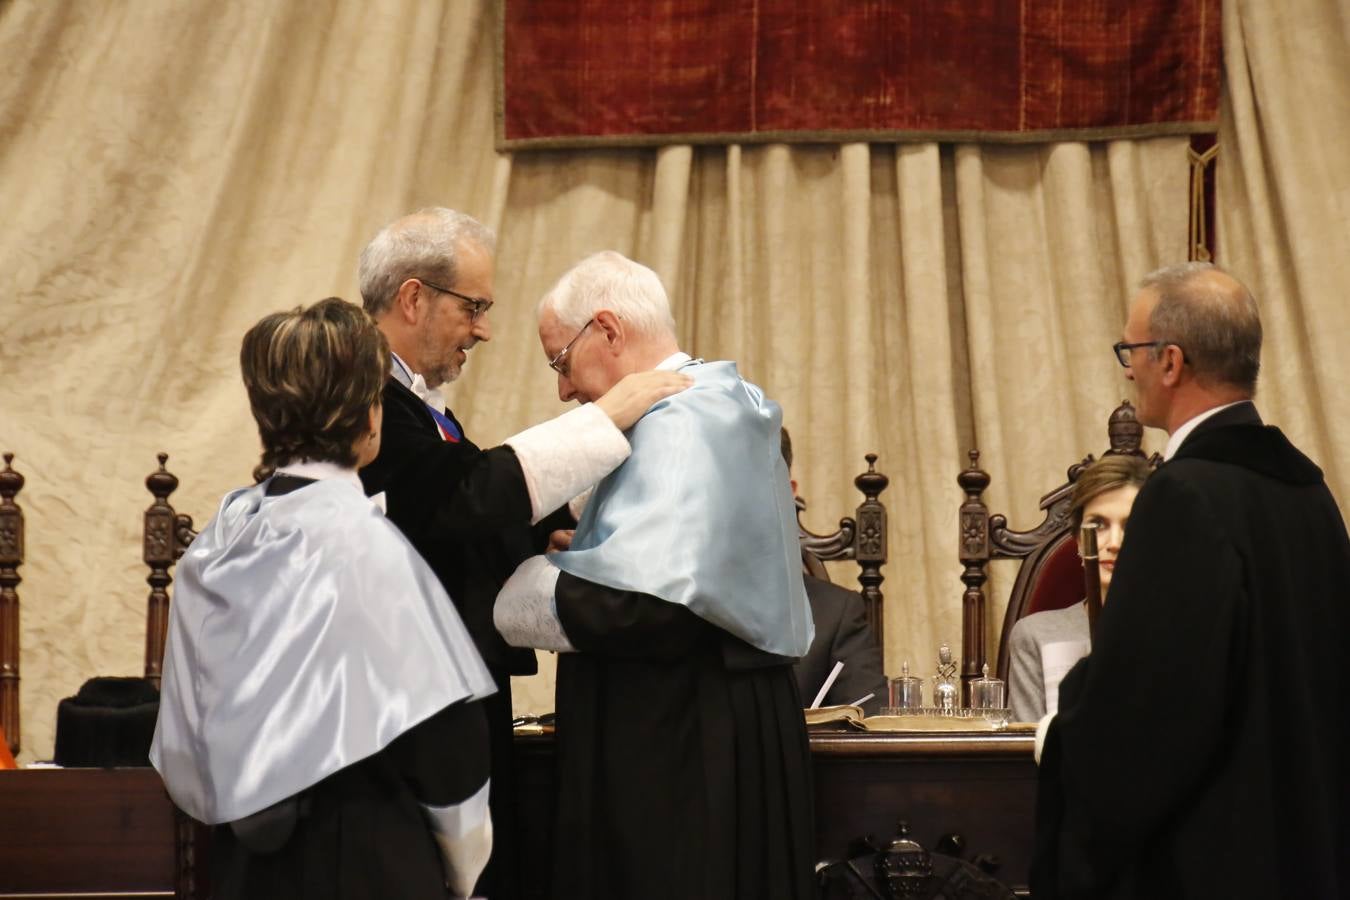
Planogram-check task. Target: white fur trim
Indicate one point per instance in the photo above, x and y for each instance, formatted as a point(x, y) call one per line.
point(525, 614)
point(564, 456)
point(463, 832)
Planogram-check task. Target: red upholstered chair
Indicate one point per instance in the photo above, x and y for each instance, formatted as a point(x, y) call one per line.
point(861, 539)
point(1050, 574)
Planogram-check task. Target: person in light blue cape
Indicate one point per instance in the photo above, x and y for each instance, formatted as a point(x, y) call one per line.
point(321, 696)
point(678, 611)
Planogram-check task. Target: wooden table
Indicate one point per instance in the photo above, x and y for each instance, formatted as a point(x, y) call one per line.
point(980, 786)
point(77, 833)
point(80, 833)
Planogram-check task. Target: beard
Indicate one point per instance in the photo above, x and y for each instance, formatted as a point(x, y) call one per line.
point(442, 373)
point(440, 362)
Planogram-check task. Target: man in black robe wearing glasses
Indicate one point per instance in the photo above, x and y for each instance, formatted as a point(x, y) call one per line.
point(1196, 752)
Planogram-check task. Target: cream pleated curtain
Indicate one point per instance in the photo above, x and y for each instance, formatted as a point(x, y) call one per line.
point(171, 172)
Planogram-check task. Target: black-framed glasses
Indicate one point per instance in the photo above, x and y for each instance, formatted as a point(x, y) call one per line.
point(1123, 349)
point(557, 363)
point(475, 306)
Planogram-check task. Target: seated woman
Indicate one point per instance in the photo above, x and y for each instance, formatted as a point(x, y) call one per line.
point(321, 697)
point(1045, 645)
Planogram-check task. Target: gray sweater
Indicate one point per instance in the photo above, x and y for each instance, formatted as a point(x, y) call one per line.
point(1041, 649)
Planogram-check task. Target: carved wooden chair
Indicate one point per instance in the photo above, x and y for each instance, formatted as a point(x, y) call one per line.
point(11, 557)
point(1050, 575)
point(167, 535)
point(861, 539)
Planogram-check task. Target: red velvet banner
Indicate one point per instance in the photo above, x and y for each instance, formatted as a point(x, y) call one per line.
point(625, 72)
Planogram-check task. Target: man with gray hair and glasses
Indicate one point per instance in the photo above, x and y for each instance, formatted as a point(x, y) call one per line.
point(1196, 752)
point(677, 612)
point(474, 514)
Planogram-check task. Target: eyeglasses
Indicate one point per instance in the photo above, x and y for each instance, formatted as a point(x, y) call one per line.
point(557, 363)
point(475, 306)
point(1123, 349)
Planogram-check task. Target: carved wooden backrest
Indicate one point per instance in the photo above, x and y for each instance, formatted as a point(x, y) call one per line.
point(1044, 551)
point(167, 535)
point(11, 557)
point(861, 539)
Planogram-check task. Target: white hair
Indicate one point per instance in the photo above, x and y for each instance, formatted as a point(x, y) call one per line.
point(610, 280)
point(424, 244)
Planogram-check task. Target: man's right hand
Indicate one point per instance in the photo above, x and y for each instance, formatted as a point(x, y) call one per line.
point(634, 395)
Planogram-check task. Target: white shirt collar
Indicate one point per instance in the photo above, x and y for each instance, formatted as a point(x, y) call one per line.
point(324, 471)
point(1177, 437)
point(674, 361)
point(414, 382)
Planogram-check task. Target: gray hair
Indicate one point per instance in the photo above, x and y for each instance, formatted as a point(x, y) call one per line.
point(1214, 320)
point(424, 244)
point(610, 280)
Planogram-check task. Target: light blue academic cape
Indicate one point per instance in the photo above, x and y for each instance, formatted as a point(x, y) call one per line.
point(702, 514)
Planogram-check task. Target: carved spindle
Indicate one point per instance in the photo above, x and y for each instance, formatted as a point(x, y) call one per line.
point(870, 550)
point(161, 551)
point(974, 543)
point(11, 557)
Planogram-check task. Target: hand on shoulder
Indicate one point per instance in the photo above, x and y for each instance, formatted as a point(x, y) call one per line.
point(628, 400)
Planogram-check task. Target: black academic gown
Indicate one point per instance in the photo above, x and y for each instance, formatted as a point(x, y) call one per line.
point(684, 770)
point(467, 511)
point(362, 834)
point(1197, 751)
point(842, 635)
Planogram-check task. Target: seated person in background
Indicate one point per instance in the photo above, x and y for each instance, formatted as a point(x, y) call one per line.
point(322, 700)
point(683, 765)
point(1045, 645)
point(842, 635)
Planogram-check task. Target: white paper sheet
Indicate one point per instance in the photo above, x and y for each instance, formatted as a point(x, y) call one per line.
point(1057, 659)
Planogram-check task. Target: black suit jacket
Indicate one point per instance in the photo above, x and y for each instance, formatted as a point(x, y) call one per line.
point(842, 633)
point(1197, 749)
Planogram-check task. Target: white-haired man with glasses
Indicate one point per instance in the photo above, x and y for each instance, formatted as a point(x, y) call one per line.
point(678, 611)
point(474, 514)
point(1197, 750)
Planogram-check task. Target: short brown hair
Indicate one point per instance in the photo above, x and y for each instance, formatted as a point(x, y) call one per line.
point(312, 376)
point(1114, 471)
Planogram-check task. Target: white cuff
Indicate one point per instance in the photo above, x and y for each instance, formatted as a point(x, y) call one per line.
point(463, 832)
point(577, 505)
point(525, 614)
point(564, 456)
point(1042, 729)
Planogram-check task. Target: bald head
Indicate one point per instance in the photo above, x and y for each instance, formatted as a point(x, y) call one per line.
point(1212, 317)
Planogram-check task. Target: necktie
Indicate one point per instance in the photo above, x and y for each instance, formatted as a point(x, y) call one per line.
point(435, 401)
